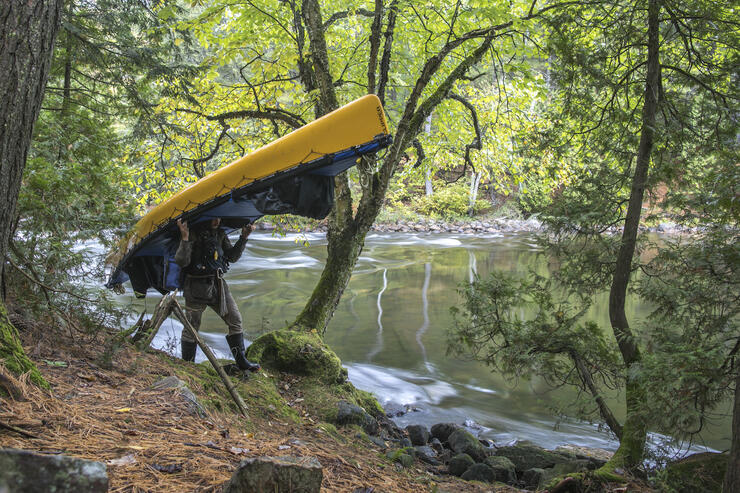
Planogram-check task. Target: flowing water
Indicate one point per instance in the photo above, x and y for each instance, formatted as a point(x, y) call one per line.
point(389, 330)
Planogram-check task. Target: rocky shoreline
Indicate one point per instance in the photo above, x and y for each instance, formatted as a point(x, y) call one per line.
point(487, 226)
point(450, 449)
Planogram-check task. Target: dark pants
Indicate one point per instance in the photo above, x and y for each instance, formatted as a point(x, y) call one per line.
point(194, 312)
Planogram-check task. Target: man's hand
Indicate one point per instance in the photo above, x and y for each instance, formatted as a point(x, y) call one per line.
point(246, 230)
point(184, 231)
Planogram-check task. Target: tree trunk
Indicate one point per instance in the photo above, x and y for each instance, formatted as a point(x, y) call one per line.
point(732, 476)
point(346, 233)
point(27, 31)
point(634, 430)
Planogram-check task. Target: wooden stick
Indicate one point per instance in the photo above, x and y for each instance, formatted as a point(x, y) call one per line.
point(17, 430)
point(175, 306)
point(161, 312)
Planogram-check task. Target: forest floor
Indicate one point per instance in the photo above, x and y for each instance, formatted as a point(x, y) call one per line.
point(102, 407)
point(151, 442)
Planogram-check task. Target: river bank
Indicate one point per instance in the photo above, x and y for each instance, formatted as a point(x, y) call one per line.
point(151, 438)
point(466, 226)
point(156, 423)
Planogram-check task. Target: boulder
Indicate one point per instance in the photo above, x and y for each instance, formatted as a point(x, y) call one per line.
point(698, 472)
point(463, 442)
point(427, 454)
point(404, 442)
point(442, 431)
point(525, 456)
point(459, 464)
point(575, 465)
point(418, 434)
point(348, 413)
point(21, 470)
point(503, 469)
point(298, 352)
point(479, 472)
point(597, 456)
point(405, 460)
point(533, 478)
point(436, 444)
point(276, 475)
point(172, 382)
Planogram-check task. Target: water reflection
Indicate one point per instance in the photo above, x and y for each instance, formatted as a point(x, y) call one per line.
point(389, 329)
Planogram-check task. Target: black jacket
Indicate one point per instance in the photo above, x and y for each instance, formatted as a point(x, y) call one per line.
point(208, 250)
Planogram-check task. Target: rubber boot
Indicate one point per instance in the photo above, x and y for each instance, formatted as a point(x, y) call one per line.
point(188, 350)
point(236, 344)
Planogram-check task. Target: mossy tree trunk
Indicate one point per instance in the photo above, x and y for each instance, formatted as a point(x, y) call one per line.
point(12, 355)
point(347, 231)
point(27, 31)
point(634, 430)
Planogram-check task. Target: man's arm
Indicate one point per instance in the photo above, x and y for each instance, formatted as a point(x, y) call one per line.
point(233, 253)
point(185, 249)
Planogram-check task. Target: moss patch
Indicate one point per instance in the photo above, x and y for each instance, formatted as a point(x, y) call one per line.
point(259, 391)
point(12, 355)
point(300, 353)
point(698, 472)
point(323, 399)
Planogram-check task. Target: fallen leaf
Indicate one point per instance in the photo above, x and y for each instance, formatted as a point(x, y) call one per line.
point(122, 461)
point(249, 435)
point(238, 450)
point(124, 410)
point(86, 376)
point(134, 447)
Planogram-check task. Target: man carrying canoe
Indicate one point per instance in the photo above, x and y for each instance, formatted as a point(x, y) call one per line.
point(204, 255)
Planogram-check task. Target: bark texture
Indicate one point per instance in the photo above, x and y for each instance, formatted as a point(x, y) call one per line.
point(27, 31)
point(634, 431)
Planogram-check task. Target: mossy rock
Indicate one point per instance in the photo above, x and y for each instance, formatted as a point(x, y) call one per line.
point(526, 456)
point(300, 353)
point(697, 472)
point(323, 399)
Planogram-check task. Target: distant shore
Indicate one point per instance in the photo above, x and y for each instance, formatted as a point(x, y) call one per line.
point(485, 226)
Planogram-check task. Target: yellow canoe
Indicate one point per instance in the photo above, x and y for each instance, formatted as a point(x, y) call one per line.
point(293, 174)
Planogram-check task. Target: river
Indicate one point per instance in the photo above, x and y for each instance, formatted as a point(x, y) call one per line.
point(389, 330)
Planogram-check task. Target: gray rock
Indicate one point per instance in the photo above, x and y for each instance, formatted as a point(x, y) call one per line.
point(459, 464)
point(436, 444)
point(503, 469)
point(418, 434)
point(276, 474)
point(405, 442)
point(533, 478)
point(379, 442)
point(427, 454)
point(479, 472)
point(172, 382)
point(442, 431)
point(597, 456)
point(405, 460)
point(21, 470)
point(525, 456)
point(576, 465)
point(463, 442)
point(351, 414)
